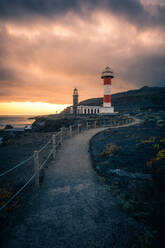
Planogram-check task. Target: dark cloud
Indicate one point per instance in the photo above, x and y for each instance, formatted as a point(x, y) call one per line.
point(18, 8)
point(132, 10)
point(148, 70)
point(139, 14)
point(43, 59)
point(6, 74)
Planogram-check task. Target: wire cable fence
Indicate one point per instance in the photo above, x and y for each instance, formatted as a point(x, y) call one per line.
point(39, 159)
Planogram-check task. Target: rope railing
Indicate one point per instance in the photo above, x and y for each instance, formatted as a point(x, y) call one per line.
point(16, 166)
point(46, 160)
point(17, 193)
point(56, 142)
point(42, 148)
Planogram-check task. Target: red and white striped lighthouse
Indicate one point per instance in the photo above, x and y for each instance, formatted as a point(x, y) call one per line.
point(107, 75)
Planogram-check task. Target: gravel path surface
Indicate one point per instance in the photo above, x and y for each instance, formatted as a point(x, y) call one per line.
point(73, 208)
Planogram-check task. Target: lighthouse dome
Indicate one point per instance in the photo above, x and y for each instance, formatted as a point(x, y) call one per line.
point(107, 73)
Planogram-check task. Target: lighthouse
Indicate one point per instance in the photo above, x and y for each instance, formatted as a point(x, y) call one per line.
point(105, 109)
point(75, 101)
point(107, 76)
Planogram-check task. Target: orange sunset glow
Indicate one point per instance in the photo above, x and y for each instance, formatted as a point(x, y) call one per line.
point(47, 52)
point(82, 123)
point(35, 108)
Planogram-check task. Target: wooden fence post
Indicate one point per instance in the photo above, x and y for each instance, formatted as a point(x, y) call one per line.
point(36, 169)
point(70, 131)
point(54, 145)
point(78, 128)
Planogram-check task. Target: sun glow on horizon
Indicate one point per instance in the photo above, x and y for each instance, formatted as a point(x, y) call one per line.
point(30, 108)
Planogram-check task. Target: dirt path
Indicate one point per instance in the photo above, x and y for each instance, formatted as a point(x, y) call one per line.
point(73, 208)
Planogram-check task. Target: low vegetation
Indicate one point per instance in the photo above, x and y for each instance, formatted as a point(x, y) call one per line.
point(4, 196)
point(110, 149)
point(136, 176)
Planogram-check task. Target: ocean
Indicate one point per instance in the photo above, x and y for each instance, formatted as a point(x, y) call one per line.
point(15, 120)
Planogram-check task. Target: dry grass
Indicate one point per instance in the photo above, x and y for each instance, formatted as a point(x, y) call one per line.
point(111, 148)
point(161, 154)
point(4, 196)
point(151, 162)
point(151, 140)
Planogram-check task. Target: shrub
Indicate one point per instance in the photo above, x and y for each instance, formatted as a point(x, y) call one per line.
point(158, 170)
point(161, 155)
point(156, 146)
point(110, 149)
point(4, 196)
point(151, 140)
point(103, 179)
point(146, 239)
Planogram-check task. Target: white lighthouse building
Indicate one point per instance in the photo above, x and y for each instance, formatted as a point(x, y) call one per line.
point(106, 109)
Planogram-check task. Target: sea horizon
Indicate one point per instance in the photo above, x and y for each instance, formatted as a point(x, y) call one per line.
point(16, 120)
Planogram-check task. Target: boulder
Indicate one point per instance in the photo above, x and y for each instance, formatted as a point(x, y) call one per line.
point(8, 126)
point(160, 123)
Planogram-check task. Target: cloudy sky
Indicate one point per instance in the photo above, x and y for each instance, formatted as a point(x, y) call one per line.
point(48, 47)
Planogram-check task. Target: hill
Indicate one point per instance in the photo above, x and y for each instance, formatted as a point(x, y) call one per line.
point(133, 100)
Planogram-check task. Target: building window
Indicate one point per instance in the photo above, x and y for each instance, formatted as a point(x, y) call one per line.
point(91, 111)
point(98, 110)
point(85, 111)
point(88, 111)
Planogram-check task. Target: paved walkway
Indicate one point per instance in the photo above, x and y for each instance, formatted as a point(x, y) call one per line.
point(73, 208)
